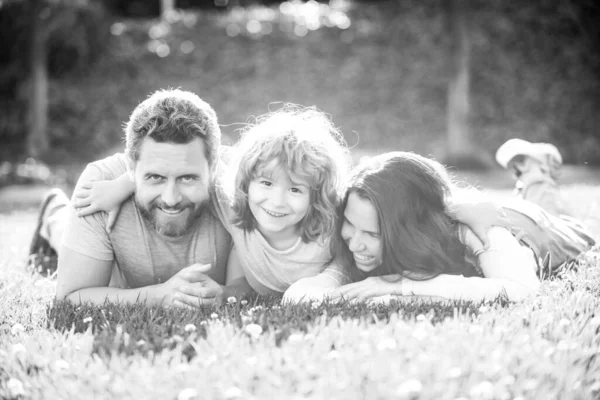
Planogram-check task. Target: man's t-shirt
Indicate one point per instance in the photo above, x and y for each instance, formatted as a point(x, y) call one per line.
point(144, 257)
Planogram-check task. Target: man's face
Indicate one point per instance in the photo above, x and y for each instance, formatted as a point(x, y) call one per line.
point(171, 184)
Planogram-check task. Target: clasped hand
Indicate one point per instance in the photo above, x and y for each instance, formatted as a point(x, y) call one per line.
point(192, 288)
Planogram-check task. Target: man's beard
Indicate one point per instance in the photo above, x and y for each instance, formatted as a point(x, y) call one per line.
point(170, 229)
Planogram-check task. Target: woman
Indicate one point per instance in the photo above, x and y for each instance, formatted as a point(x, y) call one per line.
point(397, 238)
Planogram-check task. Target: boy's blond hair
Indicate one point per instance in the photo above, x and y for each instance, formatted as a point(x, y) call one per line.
point(305, 143)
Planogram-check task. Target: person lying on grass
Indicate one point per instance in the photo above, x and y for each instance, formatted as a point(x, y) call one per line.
point(167, 239)
point(396, 234)
point(278, 202)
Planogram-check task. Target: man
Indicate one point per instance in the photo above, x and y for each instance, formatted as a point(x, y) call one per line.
point(167, 245)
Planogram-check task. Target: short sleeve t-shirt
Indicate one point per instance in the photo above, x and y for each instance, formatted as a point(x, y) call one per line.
point(272, 271)
point(143, 256)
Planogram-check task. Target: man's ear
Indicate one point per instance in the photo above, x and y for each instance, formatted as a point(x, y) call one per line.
point(130, 167)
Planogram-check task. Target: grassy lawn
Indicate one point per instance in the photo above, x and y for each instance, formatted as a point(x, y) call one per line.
point(546, 348)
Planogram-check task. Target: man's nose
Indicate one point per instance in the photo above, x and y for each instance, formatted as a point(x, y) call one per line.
point(278, 197)
point(171, 195)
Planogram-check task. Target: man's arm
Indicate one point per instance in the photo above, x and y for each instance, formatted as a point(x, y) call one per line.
point(85, 279)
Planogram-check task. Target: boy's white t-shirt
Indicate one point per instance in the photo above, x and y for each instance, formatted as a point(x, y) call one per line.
point(272, 271)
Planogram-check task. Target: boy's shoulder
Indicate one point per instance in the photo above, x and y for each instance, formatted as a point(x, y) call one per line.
point(108, 168)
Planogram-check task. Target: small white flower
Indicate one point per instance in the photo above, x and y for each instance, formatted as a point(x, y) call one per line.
point(333, 355)
point(190, 328)
point(87, 319)
point(61, 365)
point(564, 322)
point(275, 307)
point(15, 388)
point(309, 337)
point(233, 393)
point(410, 388)
point(253, 330)
point(252, 361)
point(140, 342)
point(386, 344)
point(294, 338)
point(177, 338)
point(421, 317)
point(231, 300)
point(17, 329)
point(214, 315)
point(244, 302)
point(203, 323)
point(454, 372)
point(18, 348)
point(483, 390)
point(188, 394)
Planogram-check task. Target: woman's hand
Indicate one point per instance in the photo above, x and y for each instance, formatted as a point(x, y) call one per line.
point(369, 289)
point(480, 216)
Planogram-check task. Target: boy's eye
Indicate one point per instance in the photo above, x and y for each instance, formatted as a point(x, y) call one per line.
point(265, 183)
point(296, 190)
point(374, 235)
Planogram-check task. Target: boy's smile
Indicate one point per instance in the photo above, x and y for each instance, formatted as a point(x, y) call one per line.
point(278, 203)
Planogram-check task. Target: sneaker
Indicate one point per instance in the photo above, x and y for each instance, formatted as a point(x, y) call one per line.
point(43, 259)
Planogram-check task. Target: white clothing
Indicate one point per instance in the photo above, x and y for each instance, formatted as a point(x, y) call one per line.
point(271, 271)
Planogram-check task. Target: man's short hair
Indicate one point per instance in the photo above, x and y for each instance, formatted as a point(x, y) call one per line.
point(173, 116)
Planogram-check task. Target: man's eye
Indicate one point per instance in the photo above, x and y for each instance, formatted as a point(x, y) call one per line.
point(187, 179)
point(154, 177)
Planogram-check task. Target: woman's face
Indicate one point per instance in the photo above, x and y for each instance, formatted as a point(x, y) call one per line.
point(360, 230)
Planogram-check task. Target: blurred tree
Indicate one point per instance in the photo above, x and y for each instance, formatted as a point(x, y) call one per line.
point(166, 7)
point(41, 40)
point(37, 87)
point(461, 149)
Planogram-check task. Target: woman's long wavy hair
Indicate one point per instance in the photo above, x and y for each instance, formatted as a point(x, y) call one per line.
point(419, 238)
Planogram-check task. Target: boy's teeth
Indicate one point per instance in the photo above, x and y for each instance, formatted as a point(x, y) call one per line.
point(274, 214)
point(362, 258)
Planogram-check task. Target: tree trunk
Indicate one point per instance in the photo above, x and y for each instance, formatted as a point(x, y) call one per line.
point(166, 6)
point(37, 119)
point(459, 141)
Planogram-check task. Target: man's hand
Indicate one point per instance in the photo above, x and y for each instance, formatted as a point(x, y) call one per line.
point(191, 287)
point(368, 289)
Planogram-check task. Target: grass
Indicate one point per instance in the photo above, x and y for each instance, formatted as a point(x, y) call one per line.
point(545, 348)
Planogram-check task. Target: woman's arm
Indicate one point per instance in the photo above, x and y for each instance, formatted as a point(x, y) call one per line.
point(508, 269)
point(315, 288)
